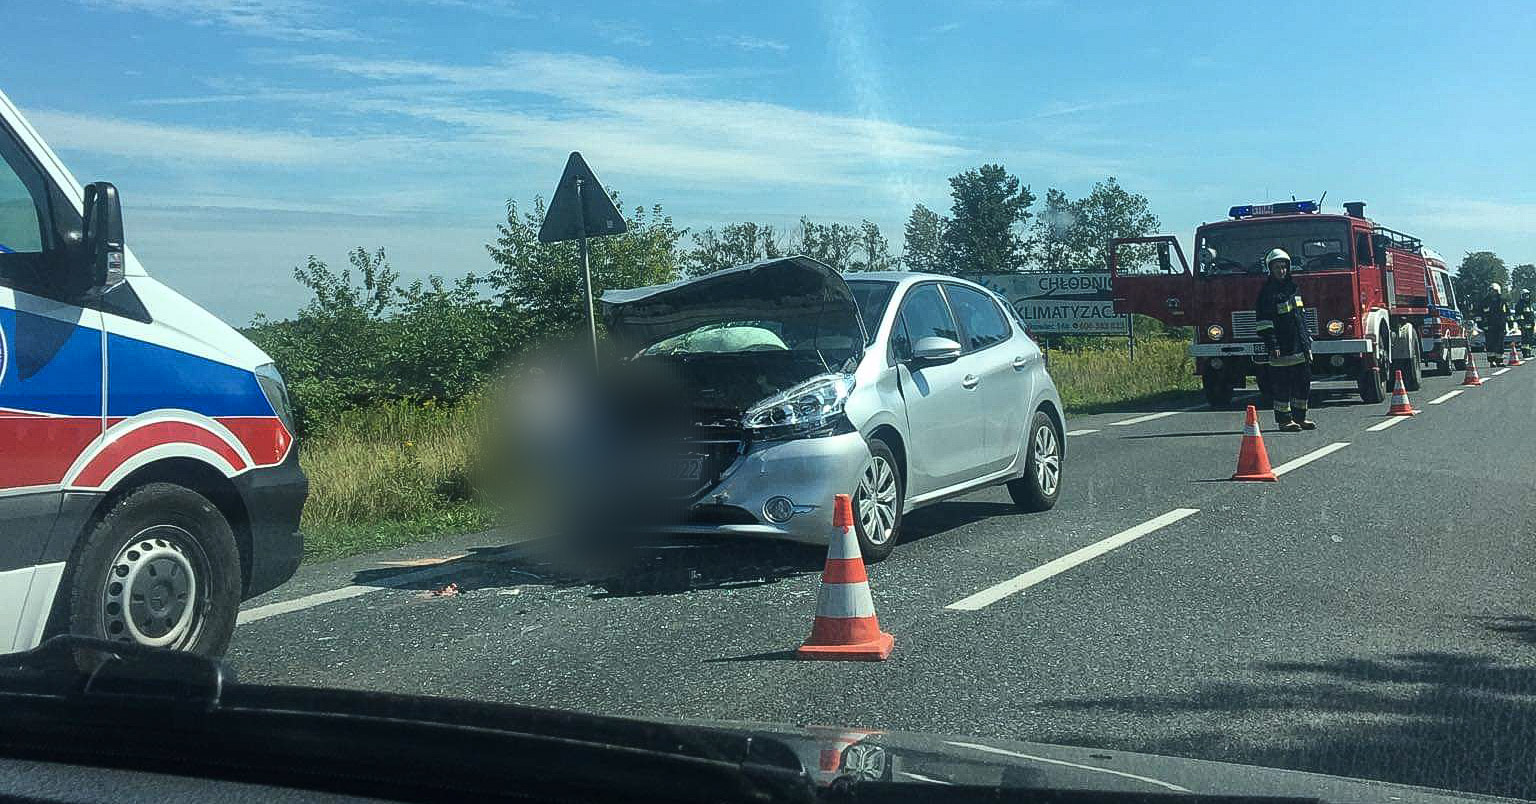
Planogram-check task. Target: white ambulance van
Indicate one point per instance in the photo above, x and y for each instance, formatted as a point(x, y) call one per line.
point(149, 480)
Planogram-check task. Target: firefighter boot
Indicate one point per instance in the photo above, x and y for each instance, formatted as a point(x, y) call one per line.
point(1299, 414)
point(1287, 424)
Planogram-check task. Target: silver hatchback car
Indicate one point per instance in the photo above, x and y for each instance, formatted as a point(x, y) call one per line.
point(902, 389)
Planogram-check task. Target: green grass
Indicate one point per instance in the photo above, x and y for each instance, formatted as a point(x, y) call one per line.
point(397, 472)
point(1098, 377)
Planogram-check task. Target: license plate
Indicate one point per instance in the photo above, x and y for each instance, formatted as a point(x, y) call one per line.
point(688, 468)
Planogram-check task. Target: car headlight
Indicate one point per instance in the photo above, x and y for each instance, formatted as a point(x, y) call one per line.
point(1335, 327)
point(809, 408)
point(276, 390)
point(1215, 332)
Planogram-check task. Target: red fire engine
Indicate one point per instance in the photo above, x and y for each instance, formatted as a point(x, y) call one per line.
point(1366, 289)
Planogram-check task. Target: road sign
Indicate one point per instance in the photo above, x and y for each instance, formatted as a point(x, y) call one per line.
point(1060, 304)
point(580, 208)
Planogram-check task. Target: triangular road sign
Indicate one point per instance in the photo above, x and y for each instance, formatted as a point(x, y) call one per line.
point(589, 211)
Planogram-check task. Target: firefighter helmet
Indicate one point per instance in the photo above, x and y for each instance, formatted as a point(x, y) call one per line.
point(1494, 286)
point(1277, 254)
point(1525, 291)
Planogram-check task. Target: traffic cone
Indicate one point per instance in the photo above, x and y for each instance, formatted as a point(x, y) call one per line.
point(1252, 458)
point(1400, 404)
point(1514, 356)
point(846, 627)
point(1471, 377)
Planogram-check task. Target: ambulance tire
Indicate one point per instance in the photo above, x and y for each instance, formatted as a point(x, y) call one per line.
point(178, 552)
point(1443, 365)
point(1459, 365)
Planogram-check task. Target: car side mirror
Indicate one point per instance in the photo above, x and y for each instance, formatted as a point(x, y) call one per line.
point(102, 236)
point(934, 350)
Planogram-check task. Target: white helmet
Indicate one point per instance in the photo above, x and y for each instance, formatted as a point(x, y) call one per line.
point(1277, 254)
point(1494, 286)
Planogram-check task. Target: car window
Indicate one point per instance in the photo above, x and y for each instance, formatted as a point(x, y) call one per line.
point(924, 314)
point(872, 298)
point(978, 316)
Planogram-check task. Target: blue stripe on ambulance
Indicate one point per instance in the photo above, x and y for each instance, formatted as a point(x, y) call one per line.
point(51, 366)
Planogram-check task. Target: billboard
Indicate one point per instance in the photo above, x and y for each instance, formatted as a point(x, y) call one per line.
point(1060, 304)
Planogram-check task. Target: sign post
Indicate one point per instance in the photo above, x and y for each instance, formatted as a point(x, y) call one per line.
point(580, 209)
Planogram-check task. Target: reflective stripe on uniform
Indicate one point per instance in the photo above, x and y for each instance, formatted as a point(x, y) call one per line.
point(1282, 407)
point(1264, 323)
point(1288, 360)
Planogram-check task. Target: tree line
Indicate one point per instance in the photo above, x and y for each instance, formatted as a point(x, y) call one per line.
point(364, 335)
point(1480, 269)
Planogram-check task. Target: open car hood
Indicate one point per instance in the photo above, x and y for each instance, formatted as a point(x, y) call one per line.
point(807, 296)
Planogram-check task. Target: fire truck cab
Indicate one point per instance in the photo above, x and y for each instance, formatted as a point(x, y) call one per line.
point(1366, 289)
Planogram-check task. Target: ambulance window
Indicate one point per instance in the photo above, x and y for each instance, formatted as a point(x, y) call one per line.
point(21, 221)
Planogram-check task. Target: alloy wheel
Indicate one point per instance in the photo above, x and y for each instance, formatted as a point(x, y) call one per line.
point(875, 500)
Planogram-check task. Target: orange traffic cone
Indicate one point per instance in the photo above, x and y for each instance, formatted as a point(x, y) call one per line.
point(1514, 356)
point(845, 626)
point(1471, 377)
point(1400, 404)
point(1252, 458)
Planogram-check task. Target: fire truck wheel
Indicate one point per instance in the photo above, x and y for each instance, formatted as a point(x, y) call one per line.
point(1413, 367)
point(1218, 390)
point(1373, 383)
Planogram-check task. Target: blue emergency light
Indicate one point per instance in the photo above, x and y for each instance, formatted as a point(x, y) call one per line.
point(1282, 208)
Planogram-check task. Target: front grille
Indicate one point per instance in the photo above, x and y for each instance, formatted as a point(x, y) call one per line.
point(1244, 325)
point(719, 456)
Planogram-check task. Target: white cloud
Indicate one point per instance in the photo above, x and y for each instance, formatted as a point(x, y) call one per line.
point(1474, 215)
point(622, 33)
point(276, 19)
point(752, 43)
point(183, 144)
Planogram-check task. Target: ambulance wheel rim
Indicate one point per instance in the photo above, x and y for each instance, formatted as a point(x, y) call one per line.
point(152, 595)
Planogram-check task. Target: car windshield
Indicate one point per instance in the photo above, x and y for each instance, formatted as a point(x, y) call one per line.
point(872, 297)
point(1240, 248)
point(902, 379)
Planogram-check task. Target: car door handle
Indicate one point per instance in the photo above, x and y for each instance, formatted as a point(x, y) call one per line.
point(970, 381)
point(1020, 362)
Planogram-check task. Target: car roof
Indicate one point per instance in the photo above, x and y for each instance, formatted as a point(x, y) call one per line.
point(905, 277)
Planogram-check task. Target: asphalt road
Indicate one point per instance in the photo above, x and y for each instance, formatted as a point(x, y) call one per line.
point(1369, 615)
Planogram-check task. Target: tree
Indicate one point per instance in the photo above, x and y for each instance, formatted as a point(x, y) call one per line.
point(539, 286)
point(832, 243)
point(989, 211)
point(924, 248)
point(1522, 277)
point(1478, 270)
point(1109, 211)
point(1050, 237)
point(735, 244)
point(873, 251)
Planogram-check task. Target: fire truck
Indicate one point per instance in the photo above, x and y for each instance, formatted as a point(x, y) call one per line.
point(1366, 287)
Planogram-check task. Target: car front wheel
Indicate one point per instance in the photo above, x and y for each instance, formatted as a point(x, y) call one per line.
point(1040, 486)
point(877, 503)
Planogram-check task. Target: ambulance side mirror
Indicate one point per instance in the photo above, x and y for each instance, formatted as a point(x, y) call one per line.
point(101, 237)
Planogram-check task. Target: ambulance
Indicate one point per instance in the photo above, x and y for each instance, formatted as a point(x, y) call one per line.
point(149, 480)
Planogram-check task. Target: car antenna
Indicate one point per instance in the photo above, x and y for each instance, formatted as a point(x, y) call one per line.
point(1320, 200)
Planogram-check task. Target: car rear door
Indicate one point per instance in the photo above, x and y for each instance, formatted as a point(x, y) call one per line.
point(998, 366)
point(944, 432)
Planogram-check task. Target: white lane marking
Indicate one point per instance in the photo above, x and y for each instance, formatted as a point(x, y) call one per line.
point(1019, 583)
point(1297, 463)
point(1382, 425)
point(1447, 396)
point(344, 593)
point(1146, 418)
point(1080, 432)
point(1048, 761)
point(1500, 371)
point(922, 778)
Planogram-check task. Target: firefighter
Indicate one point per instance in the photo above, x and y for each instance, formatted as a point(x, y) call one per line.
point(1281, 322)
point(1493, 315)
point(1525, 318)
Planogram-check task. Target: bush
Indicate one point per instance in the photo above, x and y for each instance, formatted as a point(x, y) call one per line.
point(1101, 375)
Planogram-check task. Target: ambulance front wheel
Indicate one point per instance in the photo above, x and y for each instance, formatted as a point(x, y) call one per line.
point(160, 569)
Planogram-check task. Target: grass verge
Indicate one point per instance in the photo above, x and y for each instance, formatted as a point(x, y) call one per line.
point(396, 473)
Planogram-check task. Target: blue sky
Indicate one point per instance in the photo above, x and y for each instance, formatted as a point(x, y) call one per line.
point(248, 134)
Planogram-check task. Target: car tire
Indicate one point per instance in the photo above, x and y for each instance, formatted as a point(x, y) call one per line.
point(1040, 486)
point(881, 479)
point(160, 568)
point(1218, 390)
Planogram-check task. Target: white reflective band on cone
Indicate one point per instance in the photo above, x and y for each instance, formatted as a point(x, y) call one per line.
point(845, 600)
point(844, 545)
point(1250, 429)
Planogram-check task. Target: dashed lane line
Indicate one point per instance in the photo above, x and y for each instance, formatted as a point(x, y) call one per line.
point(1146, 418)
point(1296, 463)
point(1019, 583)
point(1447, 396)
point(1392, 422)
point(1080, 432)
point(1501, 371)
point(346, 592)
